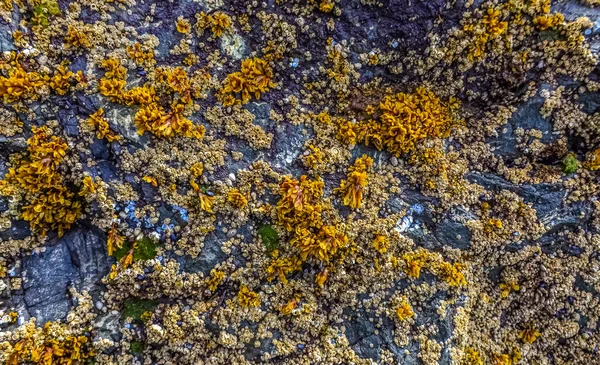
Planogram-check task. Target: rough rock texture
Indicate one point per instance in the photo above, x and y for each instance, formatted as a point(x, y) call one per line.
point(448, 223)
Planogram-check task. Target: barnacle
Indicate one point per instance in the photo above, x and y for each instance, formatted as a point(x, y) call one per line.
point(352, 188)
point(280, 267)
point(255, 77)
point(236, 198)
point(101, 126)
point(248, 298)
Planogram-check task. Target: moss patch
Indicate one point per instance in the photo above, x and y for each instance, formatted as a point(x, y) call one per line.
point(269, 237)
point(136, 347)
point(145, 249)
point(134, 308)
point(570, 163)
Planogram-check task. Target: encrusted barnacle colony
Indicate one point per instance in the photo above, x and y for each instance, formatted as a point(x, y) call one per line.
point(299, 182)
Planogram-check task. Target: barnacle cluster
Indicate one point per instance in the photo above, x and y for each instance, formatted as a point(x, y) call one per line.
point(299, 182)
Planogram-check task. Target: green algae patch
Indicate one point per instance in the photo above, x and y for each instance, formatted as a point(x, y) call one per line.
point(42, 12)
point(269, 237)
point(570, 163)
point(143, 249)
point(135, 308)
point(136, 347)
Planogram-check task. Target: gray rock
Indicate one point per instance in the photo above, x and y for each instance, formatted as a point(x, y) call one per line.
point(79, 258)
point(48, 276)
point(527, 117)
point(210, 256)
point(453, 234)
point(287, 146)
point(10, 145)
point(546, 198)
point(99, 149)
point(87, 249)
point(108, 326)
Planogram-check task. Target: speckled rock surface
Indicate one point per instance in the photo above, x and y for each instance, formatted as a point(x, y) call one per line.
point(194, 239)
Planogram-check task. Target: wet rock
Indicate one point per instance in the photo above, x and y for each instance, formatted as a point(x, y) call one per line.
point(68, 121)
point(99, 149)
point(108, 170)
point(546, 198)
point(108, 326)
point(527, 117)
point(6, 31)
point(10, 145)
point(210, 256)
point(87, 248)
point(19, 229)
point(261, 112)
point(453, 234)
point(254, 354)
point(590, 102)
point(287, 145)
point(78, 258)
point(47, 278)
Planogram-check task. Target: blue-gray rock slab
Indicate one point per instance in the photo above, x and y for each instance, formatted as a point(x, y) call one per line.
point(527, 117)
point(78, 258)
